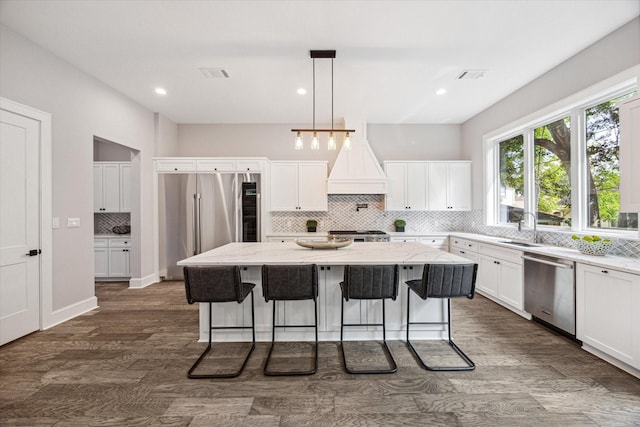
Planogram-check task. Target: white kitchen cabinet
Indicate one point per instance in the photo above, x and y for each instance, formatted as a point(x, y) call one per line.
point(175, 165)
point(465, 248)
point(298, 186)
point(449, 186)
point(437, 242)
point(111, 187)
point(608, 312)
point(407, 188)
point(412, 239)
point(101, 258)
point(216, 165)
point(630, 155)
point(500, 275)
point(112, 257)
point(125, 187)
point(106, 187)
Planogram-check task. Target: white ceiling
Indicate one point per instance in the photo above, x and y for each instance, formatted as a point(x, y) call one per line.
point(391, 55)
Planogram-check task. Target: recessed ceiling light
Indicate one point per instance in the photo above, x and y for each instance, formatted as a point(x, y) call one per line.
point(441, 91)
point(302, 91)
point(161, 91)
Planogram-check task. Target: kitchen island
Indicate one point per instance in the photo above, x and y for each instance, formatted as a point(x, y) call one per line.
point(411, 258)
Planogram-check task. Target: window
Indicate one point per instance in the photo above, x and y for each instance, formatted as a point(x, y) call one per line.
point(602, 134)
point(562, 166)
point(552, 171)
point(511, 179)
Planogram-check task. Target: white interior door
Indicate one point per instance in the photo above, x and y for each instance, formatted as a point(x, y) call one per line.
point(19, 226)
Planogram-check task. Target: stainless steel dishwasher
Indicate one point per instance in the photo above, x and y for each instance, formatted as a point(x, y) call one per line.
point(549, 291)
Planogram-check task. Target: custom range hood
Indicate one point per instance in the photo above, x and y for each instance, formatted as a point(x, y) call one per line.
point(357, 170)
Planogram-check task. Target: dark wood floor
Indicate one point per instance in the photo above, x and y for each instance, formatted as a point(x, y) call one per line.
point(125, 365)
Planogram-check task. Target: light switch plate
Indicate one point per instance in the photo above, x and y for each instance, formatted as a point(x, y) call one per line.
point(73, 222)
point(55, 222)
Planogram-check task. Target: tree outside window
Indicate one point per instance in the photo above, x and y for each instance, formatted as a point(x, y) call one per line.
point(602, 133)
point(552, 172)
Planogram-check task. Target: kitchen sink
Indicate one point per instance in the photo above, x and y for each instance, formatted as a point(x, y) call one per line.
point(523, 244)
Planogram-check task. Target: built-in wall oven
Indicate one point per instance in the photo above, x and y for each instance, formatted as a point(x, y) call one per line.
point(549, 291)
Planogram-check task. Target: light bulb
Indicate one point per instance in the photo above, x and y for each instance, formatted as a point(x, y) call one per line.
point(347, 142)
point(315, 145)
point(332, 142)
point(298, 145)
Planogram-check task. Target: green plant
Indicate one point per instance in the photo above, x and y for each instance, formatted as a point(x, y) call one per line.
point(312, 223)
point(399, 222)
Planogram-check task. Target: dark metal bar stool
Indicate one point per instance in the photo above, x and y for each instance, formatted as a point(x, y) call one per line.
point(218, 284)
point(443, 281)
point(369, 282)
point(287, 283)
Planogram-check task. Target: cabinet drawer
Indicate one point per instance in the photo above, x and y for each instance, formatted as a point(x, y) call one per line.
point(435, 242)
point(176, 165)
point(512, 255)
point(249, 165)
point(100, 243)
point(403, 239)
point(465, 244)
point(120, 242)
point(216, 165)
point(470, 255)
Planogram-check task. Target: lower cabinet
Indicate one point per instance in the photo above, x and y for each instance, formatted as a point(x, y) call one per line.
point(112, 257)
point(608, 312)
point(500, 275)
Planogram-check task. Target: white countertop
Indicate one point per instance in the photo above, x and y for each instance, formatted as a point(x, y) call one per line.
point(106, 236)
point(356, 253)
point(629, 265)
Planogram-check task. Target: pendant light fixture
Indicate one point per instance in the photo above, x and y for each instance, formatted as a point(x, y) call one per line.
point(315, 144)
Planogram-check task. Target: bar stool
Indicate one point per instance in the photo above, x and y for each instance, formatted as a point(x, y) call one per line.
point(218, 284)
point(443, 281)
point(371, 282)
point(288, 283)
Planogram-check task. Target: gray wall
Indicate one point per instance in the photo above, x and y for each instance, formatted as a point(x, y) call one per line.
point(275, 141)
point(81, 108)
point(613, 54)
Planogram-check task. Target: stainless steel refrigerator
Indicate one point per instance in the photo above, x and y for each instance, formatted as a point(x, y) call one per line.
point(203, 211)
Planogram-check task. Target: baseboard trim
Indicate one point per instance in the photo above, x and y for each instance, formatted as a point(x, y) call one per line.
point(143, 282)
point(69, 312)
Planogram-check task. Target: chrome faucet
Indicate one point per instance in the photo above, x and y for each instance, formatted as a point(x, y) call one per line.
point(535, 225)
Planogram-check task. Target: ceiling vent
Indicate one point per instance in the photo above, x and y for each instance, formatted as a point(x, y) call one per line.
point(471, 74)
point(215, 73)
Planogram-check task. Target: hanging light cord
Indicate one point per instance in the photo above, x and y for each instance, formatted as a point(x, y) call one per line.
point(314, 93)
point(332, 94)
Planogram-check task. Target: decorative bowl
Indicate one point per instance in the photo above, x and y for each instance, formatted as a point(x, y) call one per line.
point(334, 243)
point(598, 248)
point(121, 229)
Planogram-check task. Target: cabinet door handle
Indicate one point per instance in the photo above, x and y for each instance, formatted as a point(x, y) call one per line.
point(605, 271)
point(462, 252)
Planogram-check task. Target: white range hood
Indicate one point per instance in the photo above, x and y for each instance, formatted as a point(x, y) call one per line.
point(357, 171)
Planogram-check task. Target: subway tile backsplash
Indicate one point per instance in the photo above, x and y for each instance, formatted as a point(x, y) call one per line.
point(344, 214)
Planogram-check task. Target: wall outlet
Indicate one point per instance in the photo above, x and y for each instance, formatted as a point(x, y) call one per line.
point(55, 222)
point(288, 224)
point(73, 222)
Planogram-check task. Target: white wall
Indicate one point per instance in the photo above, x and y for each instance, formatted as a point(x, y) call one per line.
point(275, 141)
point(613, 54)
point(81, 107)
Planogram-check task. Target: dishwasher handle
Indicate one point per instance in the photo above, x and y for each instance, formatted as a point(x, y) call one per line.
point(544, 261)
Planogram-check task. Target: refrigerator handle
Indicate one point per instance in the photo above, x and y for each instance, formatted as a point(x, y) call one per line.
point(197, 244)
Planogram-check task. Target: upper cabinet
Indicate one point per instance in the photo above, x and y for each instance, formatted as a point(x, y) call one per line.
point(209, 164)
point(434, 186)
point(630, 155)
point(449, 186)
point(298, 186)
point(407, 186)
point(111, 187)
